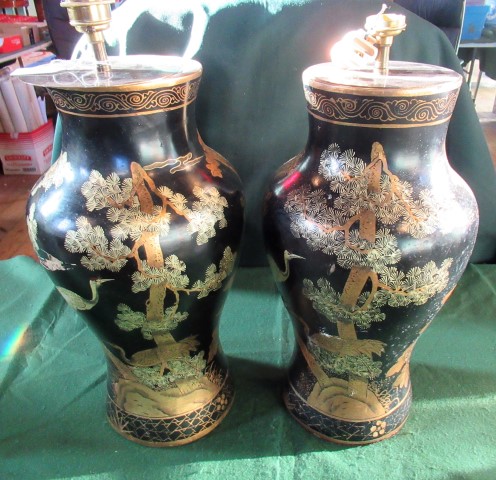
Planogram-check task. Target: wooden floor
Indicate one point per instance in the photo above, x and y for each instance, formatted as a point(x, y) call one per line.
point(490, 134)
point(14, 191)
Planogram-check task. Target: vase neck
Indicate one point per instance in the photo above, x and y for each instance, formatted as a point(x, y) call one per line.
point(148, 127)
point(178, 125)
point(406, 124)
point(376, 110)
point(125, 100)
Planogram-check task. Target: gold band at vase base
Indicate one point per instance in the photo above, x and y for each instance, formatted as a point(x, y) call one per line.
point(176, 443)
point(337, 441)
point(346, 432)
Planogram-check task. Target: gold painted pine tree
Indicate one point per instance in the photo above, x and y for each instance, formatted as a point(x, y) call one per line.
point(141, 213)
point(357, 228)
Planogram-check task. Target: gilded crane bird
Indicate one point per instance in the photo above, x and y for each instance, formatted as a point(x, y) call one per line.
point(80, 303)
point(282, 275)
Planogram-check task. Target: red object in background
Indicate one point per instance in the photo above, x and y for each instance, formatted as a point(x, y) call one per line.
point(40, 11)
point(15, 5)
point(10, 44)
point(17, 18)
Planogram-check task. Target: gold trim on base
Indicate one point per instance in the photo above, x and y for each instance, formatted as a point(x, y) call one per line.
point(371, 419)
point(177, 443)
point(334, 440)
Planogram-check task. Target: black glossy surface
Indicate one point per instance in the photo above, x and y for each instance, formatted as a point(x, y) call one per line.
point(415, 155)
point(129, 147)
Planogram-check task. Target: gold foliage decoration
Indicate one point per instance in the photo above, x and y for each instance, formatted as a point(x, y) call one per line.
point(171, 277)
point(177, 200)
point(330, 228)
point(206, 212)
point(32, 226)
point(327, 301)
point(170, 274)
point(215, 276)
point(358, 364)
point(106, 192)
point(416, 286)
point(390, 287)
point(128, 320)
point(152, 377)
point(187, 368)
point(141, 212)
point(132, 223)
point(100, 253)
point(356, 216)
point(55, 176)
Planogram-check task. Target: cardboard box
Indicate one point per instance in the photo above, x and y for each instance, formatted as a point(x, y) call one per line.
point(10, 43)
point(26, 33)
point(29, 32)
point(27, 153)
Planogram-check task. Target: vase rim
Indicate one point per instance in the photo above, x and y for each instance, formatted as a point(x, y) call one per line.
point(130, 72)
point(403, 79)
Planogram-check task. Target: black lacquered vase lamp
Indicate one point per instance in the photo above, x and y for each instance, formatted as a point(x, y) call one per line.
point(139, 223)
point(368, 230)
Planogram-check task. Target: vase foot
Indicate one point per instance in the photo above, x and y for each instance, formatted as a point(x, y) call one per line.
point(175, 430)
point(342, 431)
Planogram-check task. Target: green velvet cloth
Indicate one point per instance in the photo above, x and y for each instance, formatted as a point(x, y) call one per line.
point(52, 394)
point(251, 107)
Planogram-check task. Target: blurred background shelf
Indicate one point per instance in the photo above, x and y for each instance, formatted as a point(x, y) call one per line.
point(7, 57)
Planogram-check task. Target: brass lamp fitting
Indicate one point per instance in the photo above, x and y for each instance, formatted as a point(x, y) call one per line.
point(381, 30)
point(91, 17)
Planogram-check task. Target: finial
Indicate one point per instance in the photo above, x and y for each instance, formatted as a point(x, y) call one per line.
point(381, 30)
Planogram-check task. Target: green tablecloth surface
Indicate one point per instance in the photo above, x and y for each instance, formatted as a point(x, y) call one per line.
point(52, 392)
